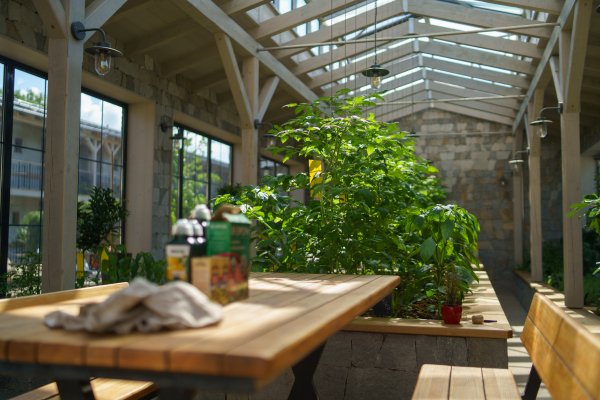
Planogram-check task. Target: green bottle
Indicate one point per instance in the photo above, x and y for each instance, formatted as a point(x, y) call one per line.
point(178, 250)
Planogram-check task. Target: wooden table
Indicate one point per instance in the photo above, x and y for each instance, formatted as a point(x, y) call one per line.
point(284, 323)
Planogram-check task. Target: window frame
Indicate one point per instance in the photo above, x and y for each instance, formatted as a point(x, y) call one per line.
point(210, 138)
point(7, 138)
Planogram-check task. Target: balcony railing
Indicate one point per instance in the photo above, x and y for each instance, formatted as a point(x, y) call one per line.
point(26, 175)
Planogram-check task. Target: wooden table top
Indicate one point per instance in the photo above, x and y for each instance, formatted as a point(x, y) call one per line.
point(285, 318)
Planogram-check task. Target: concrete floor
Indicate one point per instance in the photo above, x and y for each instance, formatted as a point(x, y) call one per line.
point(518, 359)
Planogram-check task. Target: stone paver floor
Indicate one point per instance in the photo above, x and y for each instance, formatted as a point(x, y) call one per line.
point(518, 359)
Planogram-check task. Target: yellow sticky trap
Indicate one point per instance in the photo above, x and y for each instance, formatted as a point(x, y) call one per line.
point(80, 263)
point(342, 198)
point(314, 166)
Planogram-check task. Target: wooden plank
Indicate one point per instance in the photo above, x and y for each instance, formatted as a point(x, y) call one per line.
point(433, 383)
point(473, 84)
point(475, 104)
point(269, 354)
point(535, 187)
point(235, 79)
point(249, 132)
point(545, 6)
point(208, 354)
point(161, 36)
point(554, 373)
point(118, 389)
point(100, 11)
point(234, 7)
point(84, 293)
point(472, 16)
point(499, 384)
point(53, 16)
point(212, 18)
point(131, 7)
point(518, 200)
point(266, 94)
point(47, 392)
point(298, 16)
point(475, 113)
point(209, 81)
point(466, 383)
point(562, 19)
point(203, 56)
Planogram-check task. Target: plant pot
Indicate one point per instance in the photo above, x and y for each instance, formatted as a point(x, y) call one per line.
point(451, 314)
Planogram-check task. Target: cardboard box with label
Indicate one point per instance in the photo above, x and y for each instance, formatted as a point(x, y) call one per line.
point(223, 274)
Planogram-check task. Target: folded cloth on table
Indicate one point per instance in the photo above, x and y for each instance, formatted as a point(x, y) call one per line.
point(145, 307)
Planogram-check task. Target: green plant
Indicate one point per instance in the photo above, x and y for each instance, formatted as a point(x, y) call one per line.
point(232, 189)
point(358, 219)
point(24, 278)
point(446, 236)
point(98, 218)
point(592, 214)
point(124, 268)
point(456, 284)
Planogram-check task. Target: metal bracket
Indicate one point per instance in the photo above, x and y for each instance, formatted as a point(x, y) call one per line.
point(533, 385)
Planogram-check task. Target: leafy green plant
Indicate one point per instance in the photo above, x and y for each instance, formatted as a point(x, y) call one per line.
point(232, 189)
point(24, 278)
point(366, 213)
point(124, 268)
point(592, 214)
point(98, 218)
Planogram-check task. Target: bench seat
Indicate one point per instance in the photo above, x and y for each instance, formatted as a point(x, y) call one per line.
point(443, 382)
point(104, 389)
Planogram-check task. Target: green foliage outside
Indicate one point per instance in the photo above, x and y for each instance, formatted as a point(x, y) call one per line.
point(98, 218)
point(28, 237)
point(24, 277)
point(373, 209)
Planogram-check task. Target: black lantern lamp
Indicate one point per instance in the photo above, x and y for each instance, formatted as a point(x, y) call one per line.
point(178, 139)
point(375, 71)
point(102, 51)
point(540, 125)
point(516, 164)
point(271, 139)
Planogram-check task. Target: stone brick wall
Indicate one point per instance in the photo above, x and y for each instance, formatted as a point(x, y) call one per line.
point(473, 168)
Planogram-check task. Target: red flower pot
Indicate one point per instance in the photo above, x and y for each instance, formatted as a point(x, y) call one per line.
point(451, 314)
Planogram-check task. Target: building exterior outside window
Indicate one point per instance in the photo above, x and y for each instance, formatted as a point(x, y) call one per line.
point(22, 140)
point(197, 177)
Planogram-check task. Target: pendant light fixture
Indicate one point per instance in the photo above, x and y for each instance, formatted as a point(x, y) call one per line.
point(375, 71)
point(540, 125)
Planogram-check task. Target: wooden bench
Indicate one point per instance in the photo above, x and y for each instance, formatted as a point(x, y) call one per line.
point(104, 389)
point(565, 355)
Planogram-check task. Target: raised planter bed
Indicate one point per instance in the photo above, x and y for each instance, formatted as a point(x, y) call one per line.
point(379, 358)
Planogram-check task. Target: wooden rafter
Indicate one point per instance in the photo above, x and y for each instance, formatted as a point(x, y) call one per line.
point(100, 11)
point(266, 94)
point(203, 56)
point(562, 19)
point(577, 53)
point(161, 37)
point(473, 17)
point(215, 20)
point(132, 7)
point(53, 16)
point(235, 7)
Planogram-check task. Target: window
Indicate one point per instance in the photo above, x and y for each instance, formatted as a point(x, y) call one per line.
point(197, 177)
point(100, 145)
point(272, 168)
point(23, 126)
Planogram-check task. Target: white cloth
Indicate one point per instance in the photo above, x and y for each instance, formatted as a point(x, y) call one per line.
point(145, 307)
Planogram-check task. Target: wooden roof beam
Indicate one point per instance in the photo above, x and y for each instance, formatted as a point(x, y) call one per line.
point(562, 19)
point(130, 8)
point(100, 11)
point(53, 16)
point(545, 6)
point(289, 20)
point(161, 37)
point(474, 17)
point(215, 20)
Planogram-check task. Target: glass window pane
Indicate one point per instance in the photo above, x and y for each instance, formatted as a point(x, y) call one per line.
point(114, 171)
point(112, 127)
point(26, 237)
point(89, 177)
point(1, 97)
point(29, 110)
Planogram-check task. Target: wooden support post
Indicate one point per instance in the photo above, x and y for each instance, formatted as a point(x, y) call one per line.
point(572, 48)
point(518, 202)
point(535, 189)
point(250, 152)
point(65, 57)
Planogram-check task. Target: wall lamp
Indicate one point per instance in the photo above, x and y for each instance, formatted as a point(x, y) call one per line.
point(516, 163)
point(271, 139)
point(503, 181)
point(540, 125)
point(177, 138)
point(102, 51)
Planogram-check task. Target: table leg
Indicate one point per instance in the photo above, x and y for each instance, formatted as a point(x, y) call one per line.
point(75, 390)
point(175, 393)
point(304, 371)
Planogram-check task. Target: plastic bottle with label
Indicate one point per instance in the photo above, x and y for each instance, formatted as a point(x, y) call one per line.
point(202, 214)
point(178, 251)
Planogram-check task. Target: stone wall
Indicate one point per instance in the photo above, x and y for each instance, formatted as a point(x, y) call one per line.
point(473, 168)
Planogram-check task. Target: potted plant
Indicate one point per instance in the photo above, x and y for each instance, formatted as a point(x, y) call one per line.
point(454, 291)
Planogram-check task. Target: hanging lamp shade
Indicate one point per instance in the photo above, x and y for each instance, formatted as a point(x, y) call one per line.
point(375, 72)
